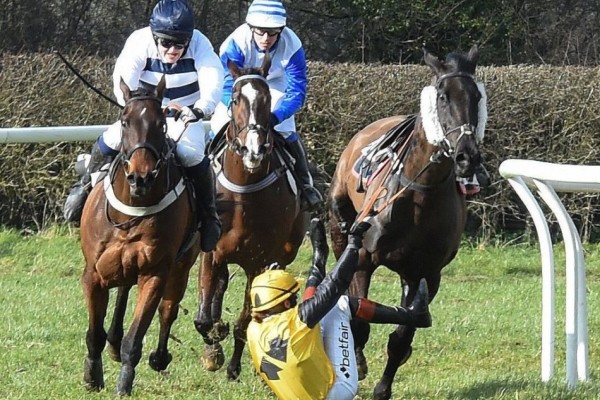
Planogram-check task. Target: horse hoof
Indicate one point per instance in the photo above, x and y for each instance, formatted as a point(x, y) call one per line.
point(213, 357)
point(361, 365)
point(383, 390)
point(159, 361)
point(233, 372)
point(93, 375)
point(125, 382)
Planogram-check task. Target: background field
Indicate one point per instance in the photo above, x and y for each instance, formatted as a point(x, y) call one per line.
point(485, 342)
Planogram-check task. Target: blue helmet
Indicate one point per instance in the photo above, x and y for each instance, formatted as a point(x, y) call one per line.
point(172, 19)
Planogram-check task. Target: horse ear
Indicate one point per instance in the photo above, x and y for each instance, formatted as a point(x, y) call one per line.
point(233, 69)
point(432, 61)
point(160, 88)
point(266, 65)
point(473, 55)
point(124, 89)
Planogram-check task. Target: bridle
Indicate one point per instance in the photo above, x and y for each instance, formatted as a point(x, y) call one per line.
point(236, 144)
point(166, 152)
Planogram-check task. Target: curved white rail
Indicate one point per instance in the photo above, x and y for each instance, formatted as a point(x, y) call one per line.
point(547, 179)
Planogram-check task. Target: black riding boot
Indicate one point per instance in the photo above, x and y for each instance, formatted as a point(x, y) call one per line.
point(310, 195)
point(210, 224)
point(79, 192)
point(417, 314)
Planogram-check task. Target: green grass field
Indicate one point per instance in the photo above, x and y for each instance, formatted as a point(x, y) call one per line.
point(485, 342)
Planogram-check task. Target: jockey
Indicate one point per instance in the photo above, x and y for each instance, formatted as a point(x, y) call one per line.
point(306, 350)
point(265, 32)
point(194, 80)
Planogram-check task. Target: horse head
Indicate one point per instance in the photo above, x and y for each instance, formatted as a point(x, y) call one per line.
point(453, 109)
point(143, 132)
point(249, 134)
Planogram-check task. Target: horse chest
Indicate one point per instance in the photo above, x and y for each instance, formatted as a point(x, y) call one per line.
point(125, 260)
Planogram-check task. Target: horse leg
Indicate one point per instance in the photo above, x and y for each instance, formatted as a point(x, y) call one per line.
point(341, 216)
point(97, 301)
point(115, 332)
point(149, 295)
point(360, 329)
point(399, 347)
point(212, 283)
point(239, 334)
point(168, 310)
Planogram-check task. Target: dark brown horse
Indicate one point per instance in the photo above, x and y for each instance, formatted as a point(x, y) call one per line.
point(261, 216)
point(137, 228)
point(418, 211)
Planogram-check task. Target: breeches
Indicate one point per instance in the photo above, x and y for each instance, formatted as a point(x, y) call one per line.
point(339, 346)
point(190, 140)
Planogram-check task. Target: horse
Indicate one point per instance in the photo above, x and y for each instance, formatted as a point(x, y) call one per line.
point(137, 228)
point(261, 216)
point(412, 197)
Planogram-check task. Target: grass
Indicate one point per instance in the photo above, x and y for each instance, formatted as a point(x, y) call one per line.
point(485, 342)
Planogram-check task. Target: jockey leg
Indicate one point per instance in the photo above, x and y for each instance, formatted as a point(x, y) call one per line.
point(79, 192)
point(204, 185)
point(417, 314)
point(311, 196)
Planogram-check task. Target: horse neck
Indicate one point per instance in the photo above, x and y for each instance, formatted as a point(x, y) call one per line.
point(418, 165)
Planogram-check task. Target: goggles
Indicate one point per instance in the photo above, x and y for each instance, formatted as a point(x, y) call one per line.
point(269, 31)
point(167, 43)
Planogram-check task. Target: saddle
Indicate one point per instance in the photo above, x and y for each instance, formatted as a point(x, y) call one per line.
point(388, 148)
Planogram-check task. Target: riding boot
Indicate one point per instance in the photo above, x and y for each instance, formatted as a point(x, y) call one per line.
point(204, 187)
point(417, 314)
point(79, 192)
point(311, 197)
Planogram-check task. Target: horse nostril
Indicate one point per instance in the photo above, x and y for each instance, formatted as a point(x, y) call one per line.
point(130, 179)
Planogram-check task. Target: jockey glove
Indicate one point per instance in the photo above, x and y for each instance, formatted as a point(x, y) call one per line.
point(357, 232)
point(189, 115)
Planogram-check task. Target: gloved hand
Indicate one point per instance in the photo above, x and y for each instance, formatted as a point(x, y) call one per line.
point(357, 233)
point(189, 115)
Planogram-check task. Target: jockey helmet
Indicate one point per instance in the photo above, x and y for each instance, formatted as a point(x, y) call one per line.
point(173, 20)
point(266, 14)
point(271, 288)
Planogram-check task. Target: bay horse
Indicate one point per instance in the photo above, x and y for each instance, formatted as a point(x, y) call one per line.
point(137, 228)
point(412, 196)
point(261, 216)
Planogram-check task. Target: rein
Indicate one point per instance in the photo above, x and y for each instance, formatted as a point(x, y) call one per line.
point(445, 150)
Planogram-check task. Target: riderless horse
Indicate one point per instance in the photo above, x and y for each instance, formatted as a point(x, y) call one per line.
point(403, 171)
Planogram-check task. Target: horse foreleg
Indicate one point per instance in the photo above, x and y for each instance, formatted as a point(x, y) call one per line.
point(96, 298)
point(212, 282)
point(399, 350)
point(360, 329)
point(168, 310)
point(341, 216)
point(115, 332)
point(239, 334)
point(149, 294)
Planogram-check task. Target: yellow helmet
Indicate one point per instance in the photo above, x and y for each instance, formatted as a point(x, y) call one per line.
point(271, 288)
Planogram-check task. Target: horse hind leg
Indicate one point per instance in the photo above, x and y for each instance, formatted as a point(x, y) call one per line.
point(97, 301)
point(115, 332)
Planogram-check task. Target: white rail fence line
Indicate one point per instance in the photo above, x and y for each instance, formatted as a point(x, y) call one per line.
point(57, 133)
point(547, 179)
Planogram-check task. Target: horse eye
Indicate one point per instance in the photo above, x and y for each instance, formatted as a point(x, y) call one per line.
point(124, 123)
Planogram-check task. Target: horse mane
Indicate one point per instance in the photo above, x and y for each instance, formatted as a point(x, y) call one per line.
point(456, 62)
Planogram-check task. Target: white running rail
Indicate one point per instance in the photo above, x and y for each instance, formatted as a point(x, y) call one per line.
point(57, 133)
point(547, 179)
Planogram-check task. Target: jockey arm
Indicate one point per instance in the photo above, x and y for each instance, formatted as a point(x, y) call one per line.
point(129, 65)
point(210, 76)
point(320, 297)
point(295, 92)
point(231, 51)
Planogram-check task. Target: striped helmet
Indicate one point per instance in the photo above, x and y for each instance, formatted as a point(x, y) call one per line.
point(266, 14)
